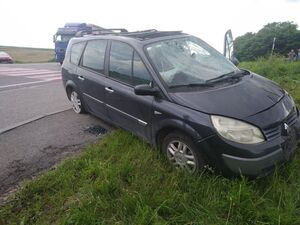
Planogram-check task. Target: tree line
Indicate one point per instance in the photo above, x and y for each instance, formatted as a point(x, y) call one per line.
point(253, 45)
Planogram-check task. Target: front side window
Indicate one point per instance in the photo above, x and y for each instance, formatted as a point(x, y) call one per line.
point(187, 61)
point(140, 74)
point(120, 63)
point(94, 54)
point(76, 51)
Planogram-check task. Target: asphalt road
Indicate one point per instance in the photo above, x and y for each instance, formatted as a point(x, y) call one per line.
point(28, 91)
point(37, 126)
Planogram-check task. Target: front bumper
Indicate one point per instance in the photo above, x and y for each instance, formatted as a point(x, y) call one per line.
point(6, 61)
point(252, 160)
point(257, 167)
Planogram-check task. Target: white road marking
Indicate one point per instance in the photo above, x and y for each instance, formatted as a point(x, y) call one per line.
point(26, 83)
point(44, 76)
point(31, 86)
point(5, 69)
point(25, 73)
point(38, 75)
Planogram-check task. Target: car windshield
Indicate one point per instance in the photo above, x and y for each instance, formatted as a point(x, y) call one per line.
point(63, 37)
point(188, 61)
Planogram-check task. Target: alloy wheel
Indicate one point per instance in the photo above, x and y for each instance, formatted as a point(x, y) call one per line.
point(181, 156)
point(76, 103)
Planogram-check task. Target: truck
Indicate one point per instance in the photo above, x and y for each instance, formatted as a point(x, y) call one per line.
point(64, 34)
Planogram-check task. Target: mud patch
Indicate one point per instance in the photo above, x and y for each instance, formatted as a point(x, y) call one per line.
point(95, 130)
point(20, 170)
point(28, 150)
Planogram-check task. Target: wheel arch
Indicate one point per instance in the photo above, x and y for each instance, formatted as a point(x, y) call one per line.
point(70, 85)
point(174, 125)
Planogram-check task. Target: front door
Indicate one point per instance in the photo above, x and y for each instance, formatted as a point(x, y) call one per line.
point(125, 108)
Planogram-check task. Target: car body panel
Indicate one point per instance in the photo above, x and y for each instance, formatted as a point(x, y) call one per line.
point(128, 110)
point(255, 95)
point(92, 86)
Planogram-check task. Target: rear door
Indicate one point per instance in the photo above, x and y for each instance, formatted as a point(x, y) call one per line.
point(91, 77)
point(125, 108)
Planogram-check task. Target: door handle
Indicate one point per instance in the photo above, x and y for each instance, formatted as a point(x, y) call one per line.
point(80, 78)
point(109, 89)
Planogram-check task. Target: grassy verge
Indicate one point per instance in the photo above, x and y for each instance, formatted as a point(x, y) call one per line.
point(122, 180)
point(29, 55)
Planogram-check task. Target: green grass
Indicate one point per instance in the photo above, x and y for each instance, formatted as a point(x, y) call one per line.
point(29, 55)
point(122, 180)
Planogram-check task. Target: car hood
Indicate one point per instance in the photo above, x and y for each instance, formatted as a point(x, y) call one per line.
point(251, 95)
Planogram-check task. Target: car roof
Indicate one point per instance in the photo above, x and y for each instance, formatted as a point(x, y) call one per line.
point(140, 37)
point(4, 54)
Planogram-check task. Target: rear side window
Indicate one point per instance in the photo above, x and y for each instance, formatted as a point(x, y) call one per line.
point(76, 51)
point(94, 54)
point(140, 74)
point(120, 66)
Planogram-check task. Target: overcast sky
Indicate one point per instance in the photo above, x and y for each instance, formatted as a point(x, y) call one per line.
point(32, 23)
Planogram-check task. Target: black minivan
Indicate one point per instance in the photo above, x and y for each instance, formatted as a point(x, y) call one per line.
point(178, 93)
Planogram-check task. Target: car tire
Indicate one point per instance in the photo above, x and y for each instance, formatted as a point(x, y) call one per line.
point(182, 153)
point(77, 104)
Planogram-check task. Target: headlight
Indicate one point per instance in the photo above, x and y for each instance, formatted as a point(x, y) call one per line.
point(238, 131)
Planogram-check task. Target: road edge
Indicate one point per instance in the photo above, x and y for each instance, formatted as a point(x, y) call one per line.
point(6, 129)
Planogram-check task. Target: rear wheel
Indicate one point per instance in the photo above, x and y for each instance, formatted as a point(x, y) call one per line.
point(182, 152)
point(76, 102)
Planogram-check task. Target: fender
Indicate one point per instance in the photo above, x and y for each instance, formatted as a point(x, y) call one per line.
point(72, 84)
point(175, 124)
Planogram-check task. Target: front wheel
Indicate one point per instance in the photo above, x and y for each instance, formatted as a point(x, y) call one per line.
point(182, 152)
point(76, 102)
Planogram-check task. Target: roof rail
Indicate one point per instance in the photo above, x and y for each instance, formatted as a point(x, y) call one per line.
point(144, 34)
point(154, 33)
point(120, 30)
point(109, 31)
point(101, 31)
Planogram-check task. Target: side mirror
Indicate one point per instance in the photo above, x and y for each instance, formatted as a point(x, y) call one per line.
point(54, 38)
point(145, 89)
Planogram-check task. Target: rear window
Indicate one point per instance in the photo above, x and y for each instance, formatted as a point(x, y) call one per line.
point(94, 54)
point(76, 51)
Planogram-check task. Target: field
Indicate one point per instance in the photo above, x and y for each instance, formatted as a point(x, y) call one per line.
point(122, 180)
point(29, 55)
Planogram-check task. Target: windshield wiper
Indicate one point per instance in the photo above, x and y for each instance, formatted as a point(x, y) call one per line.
point(231, 75)
point(192, 85)
point(209, 83)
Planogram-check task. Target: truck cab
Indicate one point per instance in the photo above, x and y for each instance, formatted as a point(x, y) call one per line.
point(64, 34)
